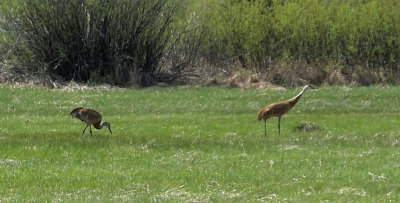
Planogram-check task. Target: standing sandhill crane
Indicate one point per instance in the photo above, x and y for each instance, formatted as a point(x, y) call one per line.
point(277, 109)
point(90, 116)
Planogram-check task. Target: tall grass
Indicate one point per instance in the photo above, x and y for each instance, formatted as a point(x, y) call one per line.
point(199, 144)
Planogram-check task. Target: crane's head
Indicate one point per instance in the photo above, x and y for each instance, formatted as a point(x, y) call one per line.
point(75, 112)
point(307, 87)
point(106, 124)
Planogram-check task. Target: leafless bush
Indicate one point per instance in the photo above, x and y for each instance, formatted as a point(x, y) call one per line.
point(84, 40)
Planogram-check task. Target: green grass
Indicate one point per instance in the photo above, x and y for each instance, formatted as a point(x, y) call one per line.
point(199, 144)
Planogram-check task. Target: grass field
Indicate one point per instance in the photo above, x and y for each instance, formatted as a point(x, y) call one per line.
point(190, 144)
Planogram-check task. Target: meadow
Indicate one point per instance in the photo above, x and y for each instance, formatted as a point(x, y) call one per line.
point(190, 144)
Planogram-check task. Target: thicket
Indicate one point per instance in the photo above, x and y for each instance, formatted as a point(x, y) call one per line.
point(258, 32)
point(113, 41)
point(120, 41)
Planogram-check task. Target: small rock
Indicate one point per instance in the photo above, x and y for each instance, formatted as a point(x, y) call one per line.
point(306, 127)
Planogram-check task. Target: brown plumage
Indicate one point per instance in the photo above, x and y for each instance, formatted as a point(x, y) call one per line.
point(90, 117)
point(277, 109)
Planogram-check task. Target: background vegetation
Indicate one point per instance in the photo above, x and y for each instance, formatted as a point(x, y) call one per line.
point(80, 39)
point(178, 144)
point(121, 42)
point(199, 144)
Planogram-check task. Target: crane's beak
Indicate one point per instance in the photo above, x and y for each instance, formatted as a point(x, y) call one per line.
point(109, 128)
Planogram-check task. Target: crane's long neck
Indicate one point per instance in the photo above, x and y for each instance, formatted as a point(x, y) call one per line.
point(104, 123)
point(293, 101)
point(100, 125)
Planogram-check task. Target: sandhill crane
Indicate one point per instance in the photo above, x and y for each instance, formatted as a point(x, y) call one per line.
point(277, 109)
point(90, 116)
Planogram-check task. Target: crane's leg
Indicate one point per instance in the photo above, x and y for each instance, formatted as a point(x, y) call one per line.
point(265, 127)
point(84, 130)
point(90, 128)
point(279, 125)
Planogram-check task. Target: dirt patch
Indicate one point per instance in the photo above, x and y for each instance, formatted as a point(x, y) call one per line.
point(234, 76)
point(297, 74)
point(231, 74)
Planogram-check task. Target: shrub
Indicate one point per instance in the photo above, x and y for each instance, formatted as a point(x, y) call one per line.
point(232, 30)
point(259, 32)
point(111, 41)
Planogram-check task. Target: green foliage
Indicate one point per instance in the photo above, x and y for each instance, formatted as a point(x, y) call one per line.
point(350, 32)
point(177, 144)
point(232, 29)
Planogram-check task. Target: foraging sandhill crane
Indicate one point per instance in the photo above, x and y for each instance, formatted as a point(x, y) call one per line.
point(277, 109)
point(90, 117)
